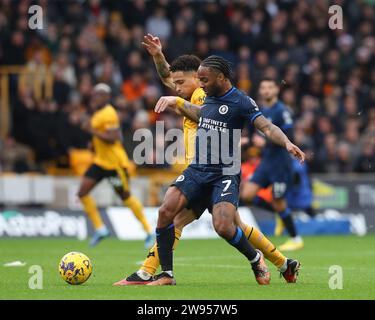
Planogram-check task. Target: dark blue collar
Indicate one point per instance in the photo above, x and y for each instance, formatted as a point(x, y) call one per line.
point(230, 91)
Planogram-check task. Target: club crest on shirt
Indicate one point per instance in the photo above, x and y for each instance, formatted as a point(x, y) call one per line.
point(223, 109)
point(180, 178)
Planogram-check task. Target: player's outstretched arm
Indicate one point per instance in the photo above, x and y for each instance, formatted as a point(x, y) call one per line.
point(186, 108)
point(153, 46)
point(275, 134)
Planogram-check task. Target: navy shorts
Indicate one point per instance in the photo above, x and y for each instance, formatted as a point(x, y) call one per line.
point(199, 206)
point(206, 188)
point(278, 175)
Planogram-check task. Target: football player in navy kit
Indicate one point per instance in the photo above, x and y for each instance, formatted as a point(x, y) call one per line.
point(224, 114)
point(276, 167)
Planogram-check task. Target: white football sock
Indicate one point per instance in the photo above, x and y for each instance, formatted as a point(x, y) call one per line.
point(170, 272)
point(284, 266)
point(257, 257)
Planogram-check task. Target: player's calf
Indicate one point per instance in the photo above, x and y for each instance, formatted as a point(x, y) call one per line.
point(173, 203)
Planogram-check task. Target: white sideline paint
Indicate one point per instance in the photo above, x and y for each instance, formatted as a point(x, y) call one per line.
point(188, 259)
point(210, 266)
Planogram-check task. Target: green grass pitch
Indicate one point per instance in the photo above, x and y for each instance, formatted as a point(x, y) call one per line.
point(204, 269)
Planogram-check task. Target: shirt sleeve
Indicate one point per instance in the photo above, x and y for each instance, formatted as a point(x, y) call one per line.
point(249, 109)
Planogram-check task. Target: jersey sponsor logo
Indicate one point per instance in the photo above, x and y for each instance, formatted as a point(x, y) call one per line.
point(212, 124)
point(223, 109)
point(180, 178)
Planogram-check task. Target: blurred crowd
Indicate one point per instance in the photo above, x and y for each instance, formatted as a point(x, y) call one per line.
point(327, 76)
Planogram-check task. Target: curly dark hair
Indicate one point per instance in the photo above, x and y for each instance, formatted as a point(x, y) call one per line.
point(186, 62)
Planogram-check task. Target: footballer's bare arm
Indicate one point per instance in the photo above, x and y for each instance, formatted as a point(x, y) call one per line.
point(275, 134)
point(186, 108)
point(153, 46)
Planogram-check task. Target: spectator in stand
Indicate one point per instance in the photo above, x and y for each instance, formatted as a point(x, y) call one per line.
point(365, 163)
point(329, 76)
point(158, 24)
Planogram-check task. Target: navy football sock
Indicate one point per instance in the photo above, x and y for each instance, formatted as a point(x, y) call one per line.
point(240, 242)
point(261, 203)
point(288, 221)
point(165, 239)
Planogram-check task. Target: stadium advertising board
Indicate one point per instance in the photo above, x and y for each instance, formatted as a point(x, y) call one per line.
point(43, 223)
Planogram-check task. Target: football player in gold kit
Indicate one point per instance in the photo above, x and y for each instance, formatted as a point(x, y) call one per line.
point(110, 161)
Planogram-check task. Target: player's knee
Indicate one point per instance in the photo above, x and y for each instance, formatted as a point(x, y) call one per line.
point(124, 195)
point(166, 214)
point(81, 193)
point(222, 228)
point(279, 205)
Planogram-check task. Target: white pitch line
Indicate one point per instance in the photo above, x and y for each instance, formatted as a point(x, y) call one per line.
point(225, 266)
point(191, 258)
point(200, 258)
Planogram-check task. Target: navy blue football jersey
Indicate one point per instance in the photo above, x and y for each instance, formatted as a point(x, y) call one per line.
point(219, 129)
point(280, 115)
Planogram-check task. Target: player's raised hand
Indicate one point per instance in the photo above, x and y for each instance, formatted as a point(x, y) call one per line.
point(152, 44)
point(295, 151)
point(165, 102)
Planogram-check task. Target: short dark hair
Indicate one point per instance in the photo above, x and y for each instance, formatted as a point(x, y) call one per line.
point(274, 80)
point(186, 62)
point(220, 64)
